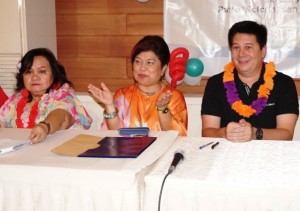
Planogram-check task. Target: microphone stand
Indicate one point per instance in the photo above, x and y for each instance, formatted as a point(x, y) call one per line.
point(162, 187)
point(178, 156)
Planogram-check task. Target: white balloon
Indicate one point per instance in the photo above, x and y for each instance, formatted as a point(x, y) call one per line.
point(192, 81)
point(169, 79)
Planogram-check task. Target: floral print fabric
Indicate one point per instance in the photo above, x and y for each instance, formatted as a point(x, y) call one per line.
point(63, 98)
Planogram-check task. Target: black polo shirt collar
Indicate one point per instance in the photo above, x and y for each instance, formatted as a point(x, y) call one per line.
point(247, 94)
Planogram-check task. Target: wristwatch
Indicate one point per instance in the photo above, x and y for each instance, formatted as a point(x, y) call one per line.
point(164, 111)
point(259, 134)
point(47, 125)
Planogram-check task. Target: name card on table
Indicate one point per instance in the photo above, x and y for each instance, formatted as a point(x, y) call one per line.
point(105, 147)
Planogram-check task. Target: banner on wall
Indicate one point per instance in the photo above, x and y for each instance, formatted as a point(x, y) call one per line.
point(202, 27)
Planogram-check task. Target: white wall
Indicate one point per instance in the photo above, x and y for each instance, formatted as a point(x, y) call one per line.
point(193, 105)
point(24, 24)
point(41, 24)
point(11, 42)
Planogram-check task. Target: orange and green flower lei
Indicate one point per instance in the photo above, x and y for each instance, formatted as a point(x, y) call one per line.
point(264, 90)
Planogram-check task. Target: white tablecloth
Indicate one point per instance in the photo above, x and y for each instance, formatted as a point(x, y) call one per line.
point(34, 178)
point(257, 175)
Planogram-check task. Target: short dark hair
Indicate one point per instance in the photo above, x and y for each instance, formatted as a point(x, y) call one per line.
point(153, 43)
point(58, 71)
point(249, 27)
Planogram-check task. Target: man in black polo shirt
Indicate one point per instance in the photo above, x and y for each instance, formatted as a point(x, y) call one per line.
point(250, 99)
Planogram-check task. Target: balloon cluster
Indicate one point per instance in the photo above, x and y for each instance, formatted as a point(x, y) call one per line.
point(178, 61)
point(182, 68)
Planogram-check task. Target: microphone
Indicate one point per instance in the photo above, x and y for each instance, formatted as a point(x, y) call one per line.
point(178, 156)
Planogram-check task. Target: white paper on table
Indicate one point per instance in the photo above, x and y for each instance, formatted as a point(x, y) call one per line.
point(10, 145)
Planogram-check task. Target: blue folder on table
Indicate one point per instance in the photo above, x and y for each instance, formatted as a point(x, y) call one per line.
point(120, 147)
point(84, 145)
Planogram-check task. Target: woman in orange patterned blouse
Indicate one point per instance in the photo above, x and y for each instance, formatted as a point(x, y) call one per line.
point(149, 102)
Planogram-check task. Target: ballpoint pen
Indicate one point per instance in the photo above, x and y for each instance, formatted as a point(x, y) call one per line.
point(13, 148)
point(214, 145)
point(205, 145)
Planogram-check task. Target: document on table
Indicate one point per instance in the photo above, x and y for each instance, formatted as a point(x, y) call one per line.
point(104, 147)
point(10, 145)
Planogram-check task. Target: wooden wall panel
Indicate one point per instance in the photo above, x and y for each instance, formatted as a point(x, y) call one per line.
point(96, 46)
point(297, 81)
point(108, 7)
point(95, 39)
point(95, 68)
point(78, 25)
point(129, 68)
point(145, 24)
point(113, 84)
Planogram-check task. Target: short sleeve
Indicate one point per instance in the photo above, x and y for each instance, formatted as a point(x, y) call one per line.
point(211, 102)
point(65, 98)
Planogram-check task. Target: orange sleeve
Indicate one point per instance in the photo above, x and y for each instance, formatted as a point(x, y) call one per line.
point(179, 113)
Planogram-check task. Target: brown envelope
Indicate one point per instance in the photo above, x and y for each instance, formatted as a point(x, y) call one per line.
point(78, 145)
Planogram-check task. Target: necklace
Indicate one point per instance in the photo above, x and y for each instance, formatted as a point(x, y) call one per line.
point(20, 109)
point(263, 91)
point(149, 93)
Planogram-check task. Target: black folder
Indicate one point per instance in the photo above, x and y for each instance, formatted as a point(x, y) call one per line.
point(120, 147)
